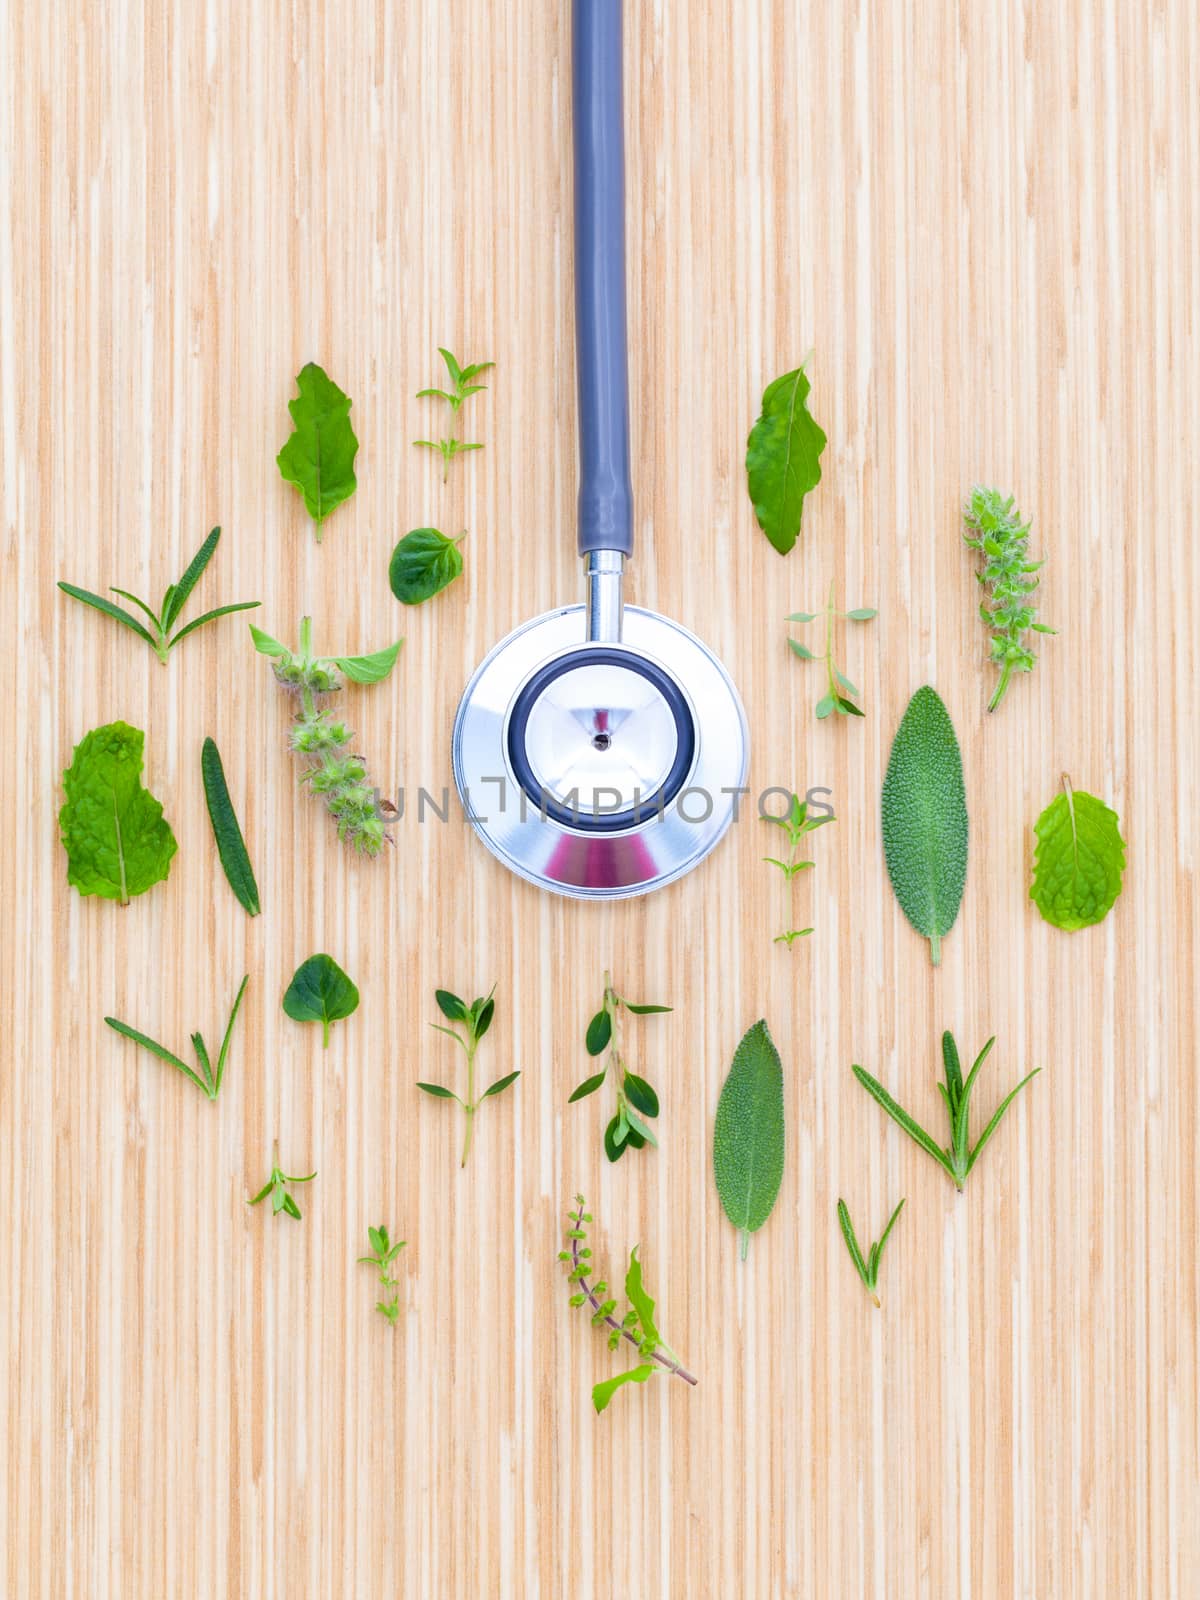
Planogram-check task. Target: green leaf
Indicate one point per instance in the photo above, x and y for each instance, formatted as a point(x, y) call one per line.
point(265, 645)
point(436, 1089)
point(825, 706)
point(320, 992)
point(423, 564)
point(588, 1086)
point(1079, 860)
point(99, 603)
point(319, 456)
point(599, 1032)
point(901, 1117)
point(450, 1005)
point(863, 614)
point(231, 846)
point(178, 594)
point(638, 1129)
point(641, 1094)
point(603, 1392)
point(483, 1017)
point(614, 1147)
point(639, 1299)
point(224, 1051)
point(802, 616)
point(783, 458)
point(860, 1266)
point(925, 819)
point(801, 650)
point(645, 1011)
point(140, 604)
point(157, 1049)
point(117, 841)
point(846, 707)
point(370, 669)
point(748, 1135)
point(211, 616)
point(994, 1123)
point(500, 1085)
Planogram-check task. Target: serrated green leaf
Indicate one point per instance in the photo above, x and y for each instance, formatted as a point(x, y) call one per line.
point(748, 1134)
point(117, 840)
point(319, 456)
point(1079, 860)
point(320, 992)
point(783, 458)
point(423, 564)
point(372, 668)
point(925, 826)
point(602, 1393)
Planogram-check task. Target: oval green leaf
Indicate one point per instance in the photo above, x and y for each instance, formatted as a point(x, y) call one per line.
point(599, 1032)
point(320, 992)
point(783, 458)
point(748, 1135)
point(1079, 860)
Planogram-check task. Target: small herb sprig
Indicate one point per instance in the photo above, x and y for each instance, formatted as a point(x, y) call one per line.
point(636, 1326)
point(475, 1020)
point(995, 529)
point(635, 1097)
point(868, 1267)
point(206, 1079)
point(159, 636)
point(334, 773)
point(276, 1187)
point(957, 1158)
point(795, 822)
point(383, 1253)
point(464, 385)
point(837, 695)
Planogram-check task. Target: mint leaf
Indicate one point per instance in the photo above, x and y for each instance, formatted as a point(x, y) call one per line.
point(423, 564)
point(1079, 860)
point(783, 458)
point(748, 1135)
point(925, 825)
point(320, 992)
point(117, 841)
point(318, 458)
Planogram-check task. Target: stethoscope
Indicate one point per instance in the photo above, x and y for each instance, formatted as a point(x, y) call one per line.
point(599, 750)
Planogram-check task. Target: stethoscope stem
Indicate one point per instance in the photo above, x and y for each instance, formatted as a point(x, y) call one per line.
point(603, 573)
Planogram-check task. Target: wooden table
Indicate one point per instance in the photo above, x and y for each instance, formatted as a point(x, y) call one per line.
point(981, 220)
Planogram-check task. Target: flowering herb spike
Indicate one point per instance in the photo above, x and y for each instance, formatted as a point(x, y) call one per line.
point(795, 822)
point(957, 1158)
point(206, 1079)
point(158, 634)
point(636, 1100)
point(383, 1253)
point(464, 385)
point(474, 1020)
point(995, 529)
point(636, 1326)
point(276, 1187)
point(334, 771)
point(837, 695)
point(866, 1266)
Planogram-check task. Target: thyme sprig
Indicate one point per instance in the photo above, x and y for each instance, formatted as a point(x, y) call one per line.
point(837, 694)
point(995, 529)
point(463, 379)
point(796, 823)
point(383, 1253)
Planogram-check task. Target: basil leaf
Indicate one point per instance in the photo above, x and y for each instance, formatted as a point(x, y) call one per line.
point(639, 1299)
point(117, 841)
point(748, 1134)
point(318, 458)
point(423, 564)
point(602, 1393)
point(320, 992)
point(1078, 862)
point(925, 825)
point(265, 645)
point(369, 669)
point(783, 458)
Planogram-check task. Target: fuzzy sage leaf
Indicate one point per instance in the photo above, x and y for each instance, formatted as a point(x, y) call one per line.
point(748, 1135)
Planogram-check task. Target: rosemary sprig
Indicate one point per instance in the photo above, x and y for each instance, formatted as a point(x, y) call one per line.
point(795, 822)
point(206, 1079)
point(957, 1158)
point(636, 1099)
point(867, 1267)
point(837, 695)
point(637, 1326)
point(995, 529)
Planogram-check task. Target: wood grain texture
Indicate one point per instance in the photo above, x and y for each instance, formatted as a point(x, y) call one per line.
point(982, 219)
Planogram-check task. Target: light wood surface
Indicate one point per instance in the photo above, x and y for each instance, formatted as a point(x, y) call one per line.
point(981, 220)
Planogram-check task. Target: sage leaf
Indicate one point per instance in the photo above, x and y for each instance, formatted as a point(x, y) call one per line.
point(925, 825)
point(1079, 860)
point(318, 458)
point(423, 564)
point(748, 1135)
point(320, 992)
point(783, 458)
point(231, 846)
point(117, 840)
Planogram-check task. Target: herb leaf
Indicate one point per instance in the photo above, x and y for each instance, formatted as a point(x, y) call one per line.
point(423, 563)
point(372, 668)
point(118, 613)
point(602, 1393)
point(320, 992)
point(205, 1079)
point(748, 1134)
point(925, 819)
point(117, 840)
point(868, 1270)
point(1079, 860)
point(1002, 540)
point(475, 1020)
point(783, 458)
point(231, 846)
point(318, 458)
